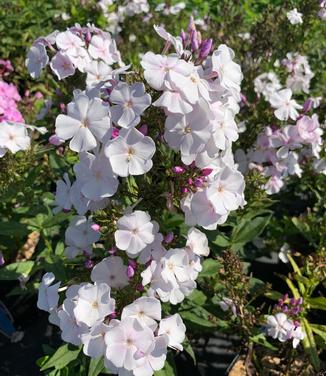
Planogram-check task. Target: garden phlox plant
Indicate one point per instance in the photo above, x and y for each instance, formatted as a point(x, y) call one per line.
point(283, 149)
point(118, 315)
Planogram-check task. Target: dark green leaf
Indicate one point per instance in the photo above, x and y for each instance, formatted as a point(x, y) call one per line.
point(13, 271)
point(63, 356)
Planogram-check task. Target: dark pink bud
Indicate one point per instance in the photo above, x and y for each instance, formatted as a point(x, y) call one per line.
point(293, 301)
point(115, 132)
point(130, 271)
point(55, 140)
point(285, 309)
point(62, 107)
point(308, 104)
point(184, 190)
point(140, 287)
point(206, 171)
point(183, 36)
point(178, 170)
point(38, 95)
point(113, 315)
point(112, 250)
point(199, 182)
point(205, 48)
point(132, 263)
point(2, 260)
point(88, 37)
point(89, 264)
point(194, 41)
point(300, 301)
point(168, 238)
point(96, 227)
point(144, 129)
point(190, 181)
point(27, 93)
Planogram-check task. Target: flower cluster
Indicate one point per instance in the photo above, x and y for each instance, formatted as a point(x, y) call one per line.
point(200, 92)
point(136, 344)
point(9, 98)
point(281, 151)
point(200, 95)
point(294, 17)
point(88, 49)
point(280, 327)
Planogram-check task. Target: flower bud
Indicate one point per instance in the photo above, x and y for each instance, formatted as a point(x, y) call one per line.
point(183, 36)
point(55, 140)
point(89, 264)
point(194, 41)
point(2, 260)
point(308, 105)
point(144, 129)
point(130, 271)
point(178, 170)
point(168, 238)
point(112, 251)
point(96, 227)
point(206, 171)
point(205, 48)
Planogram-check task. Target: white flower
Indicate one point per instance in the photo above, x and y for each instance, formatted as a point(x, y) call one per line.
point(154, 359)
point(226, 191)
point(175, 266)
point(37, 59)
point(197, 242)
point(294, 17)
point(279, 326)
point(284, 105)
point(297, 335)
point(62, 194)
point(94, 344)
point(71, 331)
point(135, 231)
point(80, 236)
point(175, 329)
point(124, 340)
point(189, 133)
point(69, 42)
point(112, 271)
point(96, 176)
point(267, 84)
point(103, 48)
point(94, 303)
point(97, 71)
point(48, 296)
point(229, 73)
point(283, 254)
point(175, 41)
point(14, 137)
point(130, 153)
point(62, 66)
point(86, 123)
point(129, 102)
point(145, 309)
point(173, 101)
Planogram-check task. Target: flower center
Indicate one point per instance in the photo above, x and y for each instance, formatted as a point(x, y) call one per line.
point(95, 305)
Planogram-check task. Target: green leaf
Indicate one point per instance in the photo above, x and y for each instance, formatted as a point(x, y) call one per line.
point(197, 297)
point(210, 268)
point(96, 366)
point(248, 229)
point(309, 344)
point(200, 317)
point(15, 229)
point(320, 330)
point(13, 271)
point(317, 303)
point(189, 350)
point(222, 241)
point(63, 356)
point(261, 340)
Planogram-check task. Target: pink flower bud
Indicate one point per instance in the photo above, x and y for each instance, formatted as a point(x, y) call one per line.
point(168, 238)
point(199, 182)
point(205, 48)
point(130, 271)
point(62, 107)
point(55, 140)
point(144, 129)
point(308, 104)
point(38, 95)
point(190, 181)
point(178, 170)
point(113, 250)
point(96, 227)
point(194, 41)
point(115, 132)
point(191, 25)
point(183, 36)
point(89, 264)
point(2, 260)
point(113, 315)
point(140, 287)
point(206, 171)
point(132, 263)
point(184, 190)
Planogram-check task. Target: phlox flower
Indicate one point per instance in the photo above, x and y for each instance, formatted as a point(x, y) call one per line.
point(294, 17)
point(146, 310)
point(37, 59)
point(13, 137)
point(175, 266)
point(62, 65)
point(279, 326)
point(197, 242)
point(48, 296)
point(129, 102)
point(97, 71)
point(130, 153)
point(175, 330)
point(69, 42)
point(111, 271)
point(135, 231)
point(86, 122)
point(93, 341)
point(103, 48)
point(125, 340)
point(62, 194)
point(284, 105)
point(96, 176)
point(94, 303)
point(80, 236)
